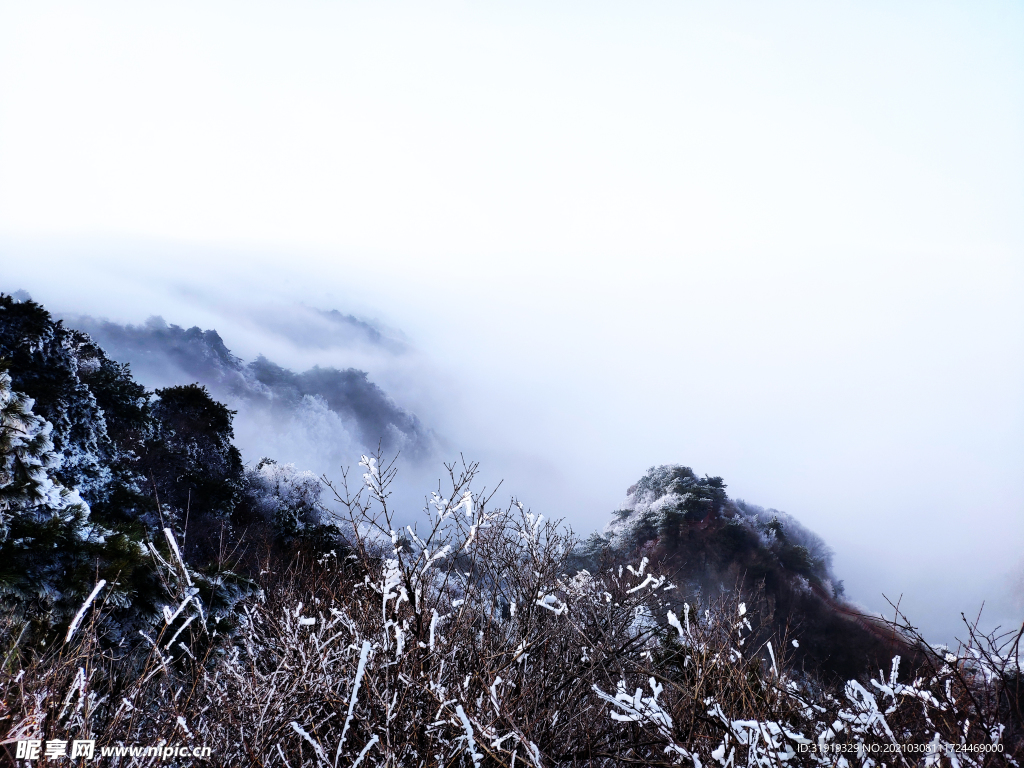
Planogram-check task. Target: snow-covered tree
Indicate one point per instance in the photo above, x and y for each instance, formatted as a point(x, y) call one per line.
point(285, 496)
point(27, 457)
point(44, 527)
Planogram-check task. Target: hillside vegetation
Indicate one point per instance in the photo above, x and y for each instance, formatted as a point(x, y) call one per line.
point(155, 590)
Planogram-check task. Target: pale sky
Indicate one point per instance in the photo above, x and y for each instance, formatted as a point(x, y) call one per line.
point(778, 242)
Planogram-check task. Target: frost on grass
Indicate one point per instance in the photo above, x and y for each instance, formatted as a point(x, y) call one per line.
point(85, 606)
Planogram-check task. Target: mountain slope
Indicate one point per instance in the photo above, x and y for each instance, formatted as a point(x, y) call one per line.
point(267, 392)
point(716, 545)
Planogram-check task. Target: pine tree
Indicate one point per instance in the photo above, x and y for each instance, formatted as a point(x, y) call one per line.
point(36, 511)
point(51, 551)
point(26, 458)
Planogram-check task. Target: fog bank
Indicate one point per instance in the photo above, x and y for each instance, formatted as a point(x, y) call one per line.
point(780, 244)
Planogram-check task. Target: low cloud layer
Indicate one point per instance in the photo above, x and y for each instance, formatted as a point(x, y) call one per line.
point(891, 433)
point(683, 233)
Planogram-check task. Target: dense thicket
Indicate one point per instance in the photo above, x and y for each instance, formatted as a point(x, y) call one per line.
point(136, 462)
point(467, 640)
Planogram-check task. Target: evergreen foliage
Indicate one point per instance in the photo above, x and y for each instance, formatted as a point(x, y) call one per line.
point(95, 467)
point(51, 552)
point(195, 468)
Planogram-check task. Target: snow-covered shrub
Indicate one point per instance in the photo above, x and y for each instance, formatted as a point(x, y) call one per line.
point(466, 640)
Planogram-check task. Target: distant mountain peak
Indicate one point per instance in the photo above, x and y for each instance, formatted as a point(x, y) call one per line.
point(163, 354)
